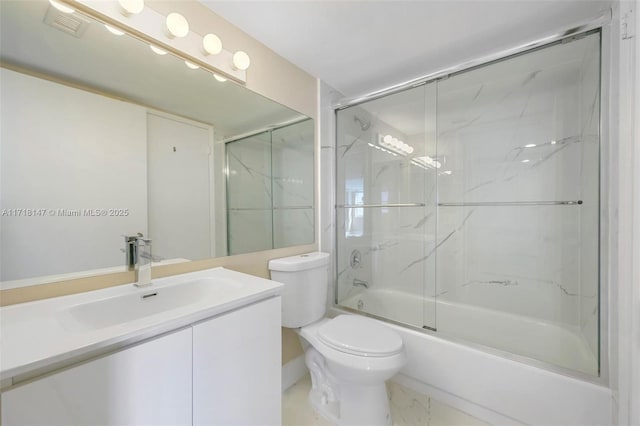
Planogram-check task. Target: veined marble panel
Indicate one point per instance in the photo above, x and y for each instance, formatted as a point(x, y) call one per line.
point(514, 131)
point(519, 259)
point(250, 230)
point(292, 165)
point(396, 251)
point(370, 172)
point(249, 175)
point(292, 227)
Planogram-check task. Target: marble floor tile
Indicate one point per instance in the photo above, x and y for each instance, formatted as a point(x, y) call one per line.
point(408, 408)
point(296, 410)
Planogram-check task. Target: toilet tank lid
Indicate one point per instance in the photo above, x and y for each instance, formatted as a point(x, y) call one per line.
point(299, 262)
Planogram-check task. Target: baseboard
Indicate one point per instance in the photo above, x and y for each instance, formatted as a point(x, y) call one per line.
point(293, 371)
point(456, 402)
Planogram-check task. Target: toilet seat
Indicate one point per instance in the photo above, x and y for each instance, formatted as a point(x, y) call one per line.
point(360, 336)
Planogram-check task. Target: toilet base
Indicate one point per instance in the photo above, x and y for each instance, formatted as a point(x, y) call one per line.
point(364, 405)
point(346, 403)
point(358, 406)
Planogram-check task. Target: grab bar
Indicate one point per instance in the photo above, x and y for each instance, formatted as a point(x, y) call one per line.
point(241, 209)
point(512, 203)
point(469, 204)
point(365, 206)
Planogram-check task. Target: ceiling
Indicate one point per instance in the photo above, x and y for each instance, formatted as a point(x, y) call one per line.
point(362, 46)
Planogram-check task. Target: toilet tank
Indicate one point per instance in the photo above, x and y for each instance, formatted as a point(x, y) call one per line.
point(306, 279)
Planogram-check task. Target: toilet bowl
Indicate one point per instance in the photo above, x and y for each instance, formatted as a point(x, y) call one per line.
point(349, 357)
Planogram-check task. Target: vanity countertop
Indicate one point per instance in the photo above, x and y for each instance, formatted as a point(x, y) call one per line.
point(48, 334)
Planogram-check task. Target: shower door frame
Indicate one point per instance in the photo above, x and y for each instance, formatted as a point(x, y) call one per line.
point(601, 24)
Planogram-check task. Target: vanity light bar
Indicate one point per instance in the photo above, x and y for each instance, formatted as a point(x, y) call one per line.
point(426, 162)
point(170, 33)
point(394, 144)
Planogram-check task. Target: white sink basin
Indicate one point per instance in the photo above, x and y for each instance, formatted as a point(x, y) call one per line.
point(144, 302)
point(45, 334)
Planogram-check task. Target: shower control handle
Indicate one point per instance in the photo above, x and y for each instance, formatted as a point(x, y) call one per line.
point(356, 259)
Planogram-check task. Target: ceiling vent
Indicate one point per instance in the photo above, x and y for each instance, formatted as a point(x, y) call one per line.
point(68, 23)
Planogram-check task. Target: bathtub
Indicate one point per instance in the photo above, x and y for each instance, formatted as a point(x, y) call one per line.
point(488, 383)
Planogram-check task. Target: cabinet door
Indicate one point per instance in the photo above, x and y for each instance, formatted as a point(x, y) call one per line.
point(237, 367)
point(148, 384)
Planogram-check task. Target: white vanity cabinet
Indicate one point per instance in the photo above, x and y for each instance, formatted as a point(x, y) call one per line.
point(147, 384)
point(225, 370)
point(237, 367)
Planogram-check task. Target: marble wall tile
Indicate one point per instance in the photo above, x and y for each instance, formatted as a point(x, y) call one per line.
point(292, 165)
point(250, 230)
point(292, 227)
point(396, 250)
point(521, 260)
point(249, 175)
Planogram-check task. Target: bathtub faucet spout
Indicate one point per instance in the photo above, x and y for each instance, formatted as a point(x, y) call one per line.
point(360, 283)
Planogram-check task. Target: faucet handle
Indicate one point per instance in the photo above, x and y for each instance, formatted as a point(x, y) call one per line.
point(131, 239)
point(146, 241)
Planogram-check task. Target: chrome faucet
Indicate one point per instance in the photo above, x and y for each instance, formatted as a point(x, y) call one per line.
point(360, 283)
point(138, 258)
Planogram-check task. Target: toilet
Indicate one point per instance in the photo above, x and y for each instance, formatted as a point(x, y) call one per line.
point(349, 357)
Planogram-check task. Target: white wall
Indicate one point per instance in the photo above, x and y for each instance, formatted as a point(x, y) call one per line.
point(624, 317)
point(179, 163)
point(56, 155)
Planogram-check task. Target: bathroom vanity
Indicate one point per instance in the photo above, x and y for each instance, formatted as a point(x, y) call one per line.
point(198, 348)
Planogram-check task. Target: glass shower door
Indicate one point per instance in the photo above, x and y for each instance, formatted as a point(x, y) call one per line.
point(518, 223)
point(385, 210)
point(249, 194)
point(292, 174)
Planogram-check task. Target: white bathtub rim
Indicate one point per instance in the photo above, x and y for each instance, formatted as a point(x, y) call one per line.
point(484, 349)
point(590, 387)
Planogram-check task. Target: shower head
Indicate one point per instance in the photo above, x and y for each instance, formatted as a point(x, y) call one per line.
point(364, 125)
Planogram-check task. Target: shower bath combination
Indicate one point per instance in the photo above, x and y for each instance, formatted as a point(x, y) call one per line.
point(487, 229)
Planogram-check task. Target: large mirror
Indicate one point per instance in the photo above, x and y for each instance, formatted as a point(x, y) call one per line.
point(102, 137)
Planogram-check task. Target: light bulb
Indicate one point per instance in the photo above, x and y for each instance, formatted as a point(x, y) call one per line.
point(157, 50)
point(525, 161)
point(211, 44)
point(220, 78)
point(410, 150)
point(131, 7)
point(61, 7)
point(387, 139)
point(241, 60)
point(191, 65)
point(530, 145)
point(176, 25)
point(113, 30)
